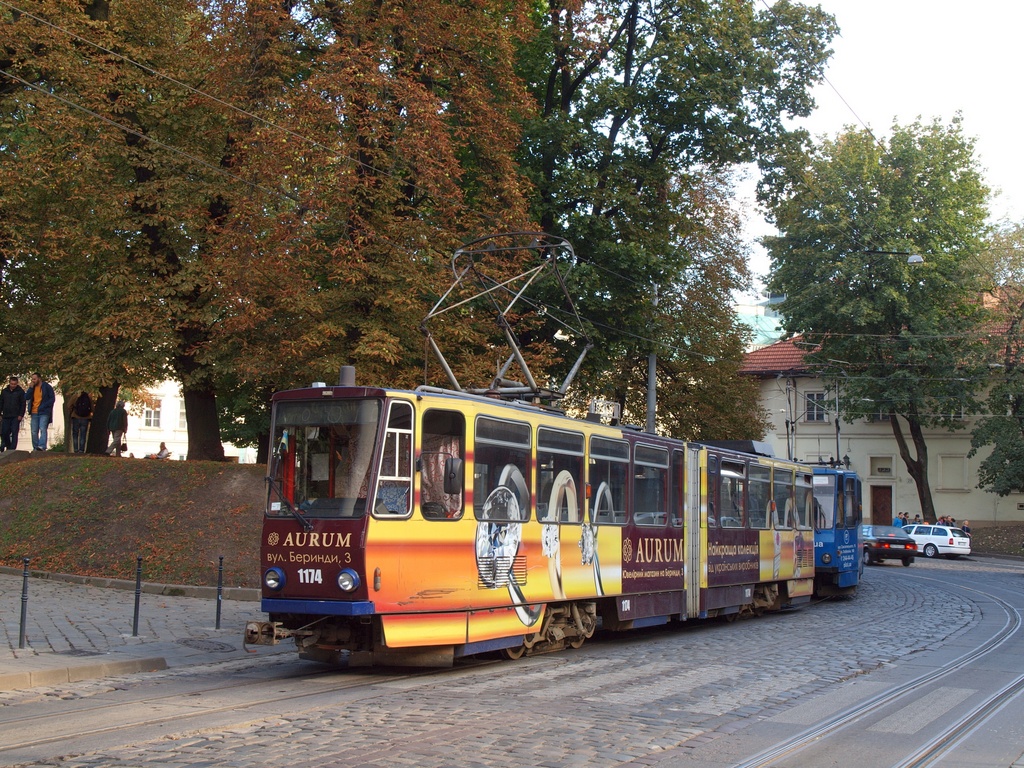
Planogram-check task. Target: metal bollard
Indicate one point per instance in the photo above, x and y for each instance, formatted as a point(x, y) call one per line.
point(24, 603)
point(138, 596)
point(220, 588)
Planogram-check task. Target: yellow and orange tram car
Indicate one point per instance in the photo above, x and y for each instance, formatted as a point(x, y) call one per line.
point(415, 527)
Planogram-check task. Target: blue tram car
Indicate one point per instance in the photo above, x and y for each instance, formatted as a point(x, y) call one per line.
point(838, 560)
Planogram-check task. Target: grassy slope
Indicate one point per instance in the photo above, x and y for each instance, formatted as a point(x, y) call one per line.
point(95, 515)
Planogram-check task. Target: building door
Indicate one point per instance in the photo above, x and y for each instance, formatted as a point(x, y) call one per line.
point(881, 505)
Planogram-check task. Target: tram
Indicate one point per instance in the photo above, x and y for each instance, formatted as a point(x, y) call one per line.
point(415, 527)
point(838, 558)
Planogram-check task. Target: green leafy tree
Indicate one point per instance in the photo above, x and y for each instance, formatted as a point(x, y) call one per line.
point(891, 337)
point(642, 108)
point(1001, 431)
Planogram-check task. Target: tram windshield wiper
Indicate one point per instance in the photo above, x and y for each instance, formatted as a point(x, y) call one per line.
point(274, 486)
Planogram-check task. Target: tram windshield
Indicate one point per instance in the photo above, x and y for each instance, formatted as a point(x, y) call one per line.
point(321, 460)
point(825, 502)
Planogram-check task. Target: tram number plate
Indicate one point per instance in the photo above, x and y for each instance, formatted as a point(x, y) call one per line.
point(310, 576)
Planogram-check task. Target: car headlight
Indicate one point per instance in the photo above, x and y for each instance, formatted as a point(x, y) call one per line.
point(826, 558)
point(348, 580)
point(274, 578)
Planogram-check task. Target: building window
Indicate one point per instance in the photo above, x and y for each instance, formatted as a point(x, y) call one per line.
point(953, 473)
point(182, 423)
point(816, 410)
point(151, 415)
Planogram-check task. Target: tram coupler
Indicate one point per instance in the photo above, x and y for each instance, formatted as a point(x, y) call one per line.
point(265, 633)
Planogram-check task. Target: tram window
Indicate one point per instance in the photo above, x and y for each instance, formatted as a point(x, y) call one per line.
point(322, 457)
point(444, 434)
point(650, 486)
point(828, 503)
point(394, 477)
point(805, 503)
point(785, 503)
point(760, 495)
point(852, 510)
point(731, 485)
point(609, 469)
point(559, 476)
point(501, 470)
point(678, 488)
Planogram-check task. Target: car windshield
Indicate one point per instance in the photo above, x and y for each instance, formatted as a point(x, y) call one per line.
point(956, 533)
point(885, 531)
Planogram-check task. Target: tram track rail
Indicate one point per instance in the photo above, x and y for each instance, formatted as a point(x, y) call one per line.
point(188, 706)
point(952, 734)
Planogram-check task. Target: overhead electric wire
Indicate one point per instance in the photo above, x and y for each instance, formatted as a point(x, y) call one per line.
point(786, 31)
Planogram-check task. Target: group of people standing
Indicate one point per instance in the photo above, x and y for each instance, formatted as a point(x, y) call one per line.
point(37, 403)
point(16, 403)
point(903, 519)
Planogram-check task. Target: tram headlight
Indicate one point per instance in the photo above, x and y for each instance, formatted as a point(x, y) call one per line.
point(274, 578)
point(826, 558)
point(348, 580)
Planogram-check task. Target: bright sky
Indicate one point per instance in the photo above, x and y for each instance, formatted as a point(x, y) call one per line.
point(931, 58)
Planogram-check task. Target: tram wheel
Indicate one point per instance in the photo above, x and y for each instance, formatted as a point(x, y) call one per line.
point(577, 642)
point(514, 653)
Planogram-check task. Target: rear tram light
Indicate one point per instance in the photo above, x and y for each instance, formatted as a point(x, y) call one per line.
point(348, 580)
point(826, 558)
point(274, 578)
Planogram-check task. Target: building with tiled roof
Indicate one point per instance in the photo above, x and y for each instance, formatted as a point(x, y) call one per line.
point(784, 357)
point(802, 413)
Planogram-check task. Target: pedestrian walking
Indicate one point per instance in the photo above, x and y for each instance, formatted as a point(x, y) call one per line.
point(39, 400)
point(12, 412)
point(117, 423)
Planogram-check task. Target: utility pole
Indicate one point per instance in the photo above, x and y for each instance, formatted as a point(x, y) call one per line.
point(652, 367)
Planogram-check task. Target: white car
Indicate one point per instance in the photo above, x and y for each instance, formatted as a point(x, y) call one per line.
point(935, 540)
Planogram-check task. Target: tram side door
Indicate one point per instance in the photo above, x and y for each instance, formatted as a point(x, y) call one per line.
point(692, 529)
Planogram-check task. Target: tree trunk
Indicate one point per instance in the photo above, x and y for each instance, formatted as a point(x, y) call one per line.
point(263, 448)
point(918, 468)
point(97, 442)
point(203, 425)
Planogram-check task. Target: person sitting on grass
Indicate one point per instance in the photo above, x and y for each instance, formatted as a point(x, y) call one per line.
point(163, 453)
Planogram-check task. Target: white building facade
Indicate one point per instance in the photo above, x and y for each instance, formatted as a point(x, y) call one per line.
point(160, 418)
point(805, 428)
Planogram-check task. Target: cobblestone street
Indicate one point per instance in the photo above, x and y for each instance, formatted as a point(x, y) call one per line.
point(651, 697)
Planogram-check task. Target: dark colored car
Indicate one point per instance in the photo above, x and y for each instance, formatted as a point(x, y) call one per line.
point(887, 542)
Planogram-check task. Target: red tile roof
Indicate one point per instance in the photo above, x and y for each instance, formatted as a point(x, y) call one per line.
point(782, 357)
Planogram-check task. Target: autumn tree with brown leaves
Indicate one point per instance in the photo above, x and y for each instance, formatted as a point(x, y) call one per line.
point(226, 193)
